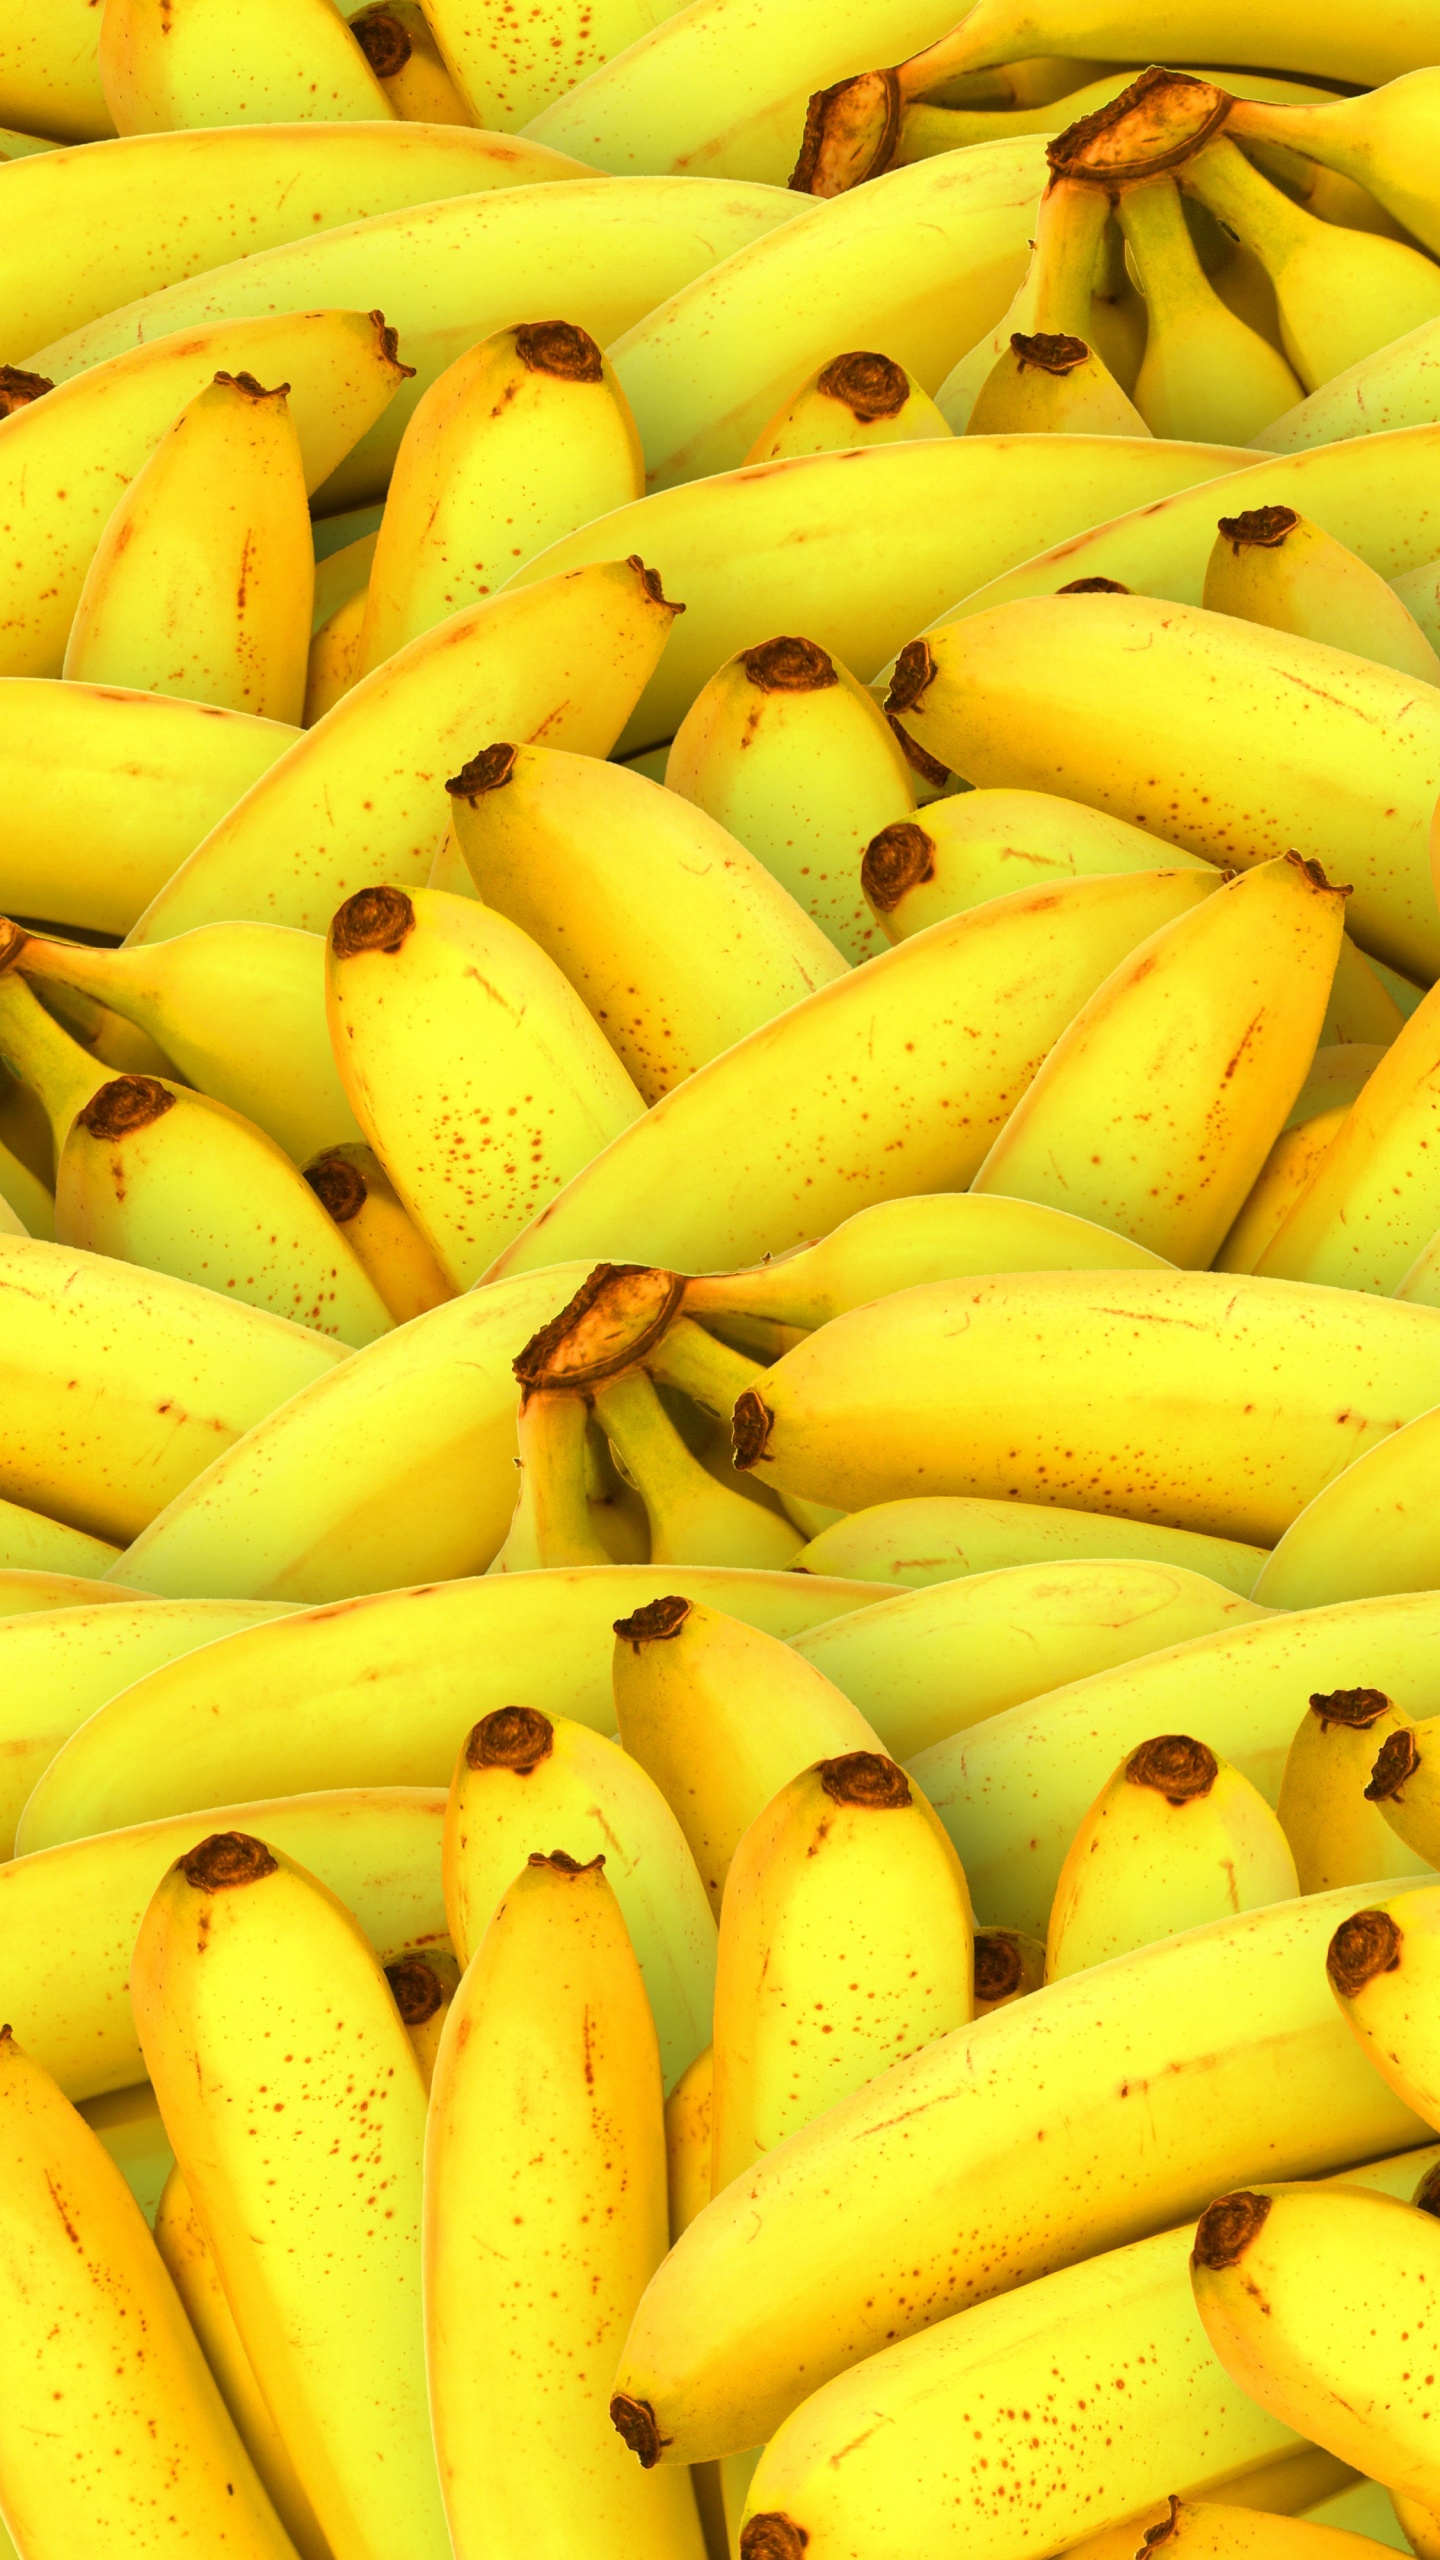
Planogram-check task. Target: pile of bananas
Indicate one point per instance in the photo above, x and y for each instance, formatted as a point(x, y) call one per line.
point(719, 1280)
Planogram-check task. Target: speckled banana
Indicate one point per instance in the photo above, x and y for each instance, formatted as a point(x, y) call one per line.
point(1335, 1827)
point(1271, 565)
point(204, 62)
point(945, 1536)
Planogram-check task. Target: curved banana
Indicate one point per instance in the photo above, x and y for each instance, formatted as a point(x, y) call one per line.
point(1369, 1530)
point(1382, 1971)
point(861, 398)
point(30, 1543)
point(687, 2141)
point(951, 1029)
point(49, 75)
point(1369, 1209)
point(1403, 1787)
point(506, 75)
point(942, 1537)
point(1315, 1118)
point(1381, 140)
point(1333, 1823)
point(1047, 385)
point(556, 1519)
point(692, 1518)
point(207, 62)
point(355, 1190)
point(1391, 389)
point(1272, 566)
point(1281, 32)
point(982, 844)
point(1203, 373)
point(396, 39)
point(53, 1069)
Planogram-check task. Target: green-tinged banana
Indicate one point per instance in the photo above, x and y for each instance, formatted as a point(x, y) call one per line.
point(1403, 1786)
point(1203, 373)
point(208, 62)
point(1011, 1791)
point(846, 1944)
point(471, 1064)
point(1231, 2033)
point(951, 1028)
point(156, 1174)
point(29, 1543)
point(1380, 140)
point(396, 39)
point(693, 1519)
point(70, 452)
point(132, 2129)
point(155, 1376)
point(982, 844)
point(941, 1537)
point(1370, 1205)
point(792, 755)
point(181, 2241)
point(1049, 385)
point(113, 2428)
point(423, 1987)
point(200, 996)
point(1336, 1830)
point(1176, 1837)
point(391, 1686)
point(688, 2116)
point(522, 439)
point(1008, 1966)
point(721, 1716)
point(1159, 1103)
point(268, 2028)
point(1319, 2302)
point(201, 582)
point(545, 2215)
point(64, 1659)
point(38, 1051)
point(1340, 1072)
point(862, 398)
point(1370, 1529)
point(676, 938)
point(49, 76)
point(1272, 566)
point(927, 1664)
point(358, 797)
point(355, 1190)
point(523, 1779)
point(1274, 743)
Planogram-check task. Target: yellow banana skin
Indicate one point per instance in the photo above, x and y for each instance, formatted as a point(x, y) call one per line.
point(688, 2111)
point(1203, 371)
point(358, 1194)
point(409, 67)
point(198, 62)
point(30, 1543)
point(1294, 577)
point(507, 76)
point(113, 2427)
point(1339, 1837)
point(1384, 392)
point(1370, 1205)
point(983, 844)
point(392, 1684)
point(980, 987)
point(1382, 1967)
point(1371, 1530)
point(1317, 1114)
point(49, 76)
point(1381, 141)
point(855, 399)
point(944, 1537)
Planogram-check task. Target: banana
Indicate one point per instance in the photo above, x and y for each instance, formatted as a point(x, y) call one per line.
point(396, 40)
point(545, 2214)
point(423, 1987)
point(1381, 141)
point(358, 797)
point(49, 77)
point(927, 127)
point(1383, 392)
point(1402, 1784)
point(721, 1716)
point(202, 581)
point(28, 1203)
point(522, 439)
point(1272, 566)
point(693, 1520)
point(1368, 1208)
point(181, 2241)
point(688, 2111)
point(30, 1543)
point(945, 1536)
point(391, 1684)
point(1419, 1286)
point(204, 62)
point(1368, 1531)
point(676, 939)
point(1282, 32)
point(64, 1660)
point(132, 2129)
point(861, 398)
point(155, 1375)
point(155, 1174)
point(1175, 1838)
point(355, 1190)
point(1048, 385)
point(1222, 2532)
point(1158, 1105)
point(1203, 373)
point(1008, 1966)
point(1315, 1117)
point(1270, 739)
point(925, 1665)
point(267, 2023)
point(1317, 2301)
point(523, 1778)
point(112, 2425)
point(785, 749)
point(24, 1591)
point(793, 1133)
point(507, 75)
point(555, 1521)
point(1229, 2031)
point(66, 453)
point(200, 995)
point(53, 1068)
point(982, 844)
point(1337, 1832)
point(333, 661)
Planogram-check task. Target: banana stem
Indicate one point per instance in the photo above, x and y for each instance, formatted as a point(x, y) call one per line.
point(707, 1371)
point(552, 1523)
point(693, 1518)
point(1069, 233)
point(1152, 218)
point(44, 1058)
point(1263, 219)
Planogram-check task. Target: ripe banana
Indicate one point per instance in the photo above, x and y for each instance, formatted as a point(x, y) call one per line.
point(1369, 1207)
point(398, 44)
point(1369, 1530)
point(861, 398)
point(951, 1029)
point(1008, 1966)
point(1283, 32)
point(49, 77)
point(545, 2214)
point(1391, 389)
point(1380, 140)
point(946, 1536)
point(982, 844)
point(1203, 373)
point(1229, 2031)
point(1337, 1831)
point(692, 1518)
point(202, 581)
point(785, 749)
point(522, 439)
point(355, 1190)
point(423, 1987)
point(358, 798)
point(1381, 1965)
point(391, 1683)
point(1273, 742)
point(1402, 1784)
point(1158, 1105)
point(688, 2112)
point(265, 2018)
point(39, 1053)
point(556, 1519)
point(1315, 1117)
point(925, 1665)
point(165, 63)
point(1048, 385)
point(523, 1778)
point(333, 662)
point(1272, 566)
point(32, 1544)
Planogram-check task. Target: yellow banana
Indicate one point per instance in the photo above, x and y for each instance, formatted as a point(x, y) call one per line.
point(861, 398)
point(201, 583)
point(1402, 1785)
point(693, 1519)
point(333, 661)
point(555, 1520)
point(1419, 1285)
point(1272, 566)
point(49, 76)
point(1230, 2032)
point(1338, 1833)
point(113, 2429)
point(545, 2214)
point(1223, 2532)
point(355, 1190)
point(688, 2112)
point(1370, 1530)
point(946, 1536)
point(423, 1987)
point(506, 75)
point(267, 2025)
point(674, 936)
point(1382, 141)
point(30, 1543)
point(1369, 1207)
point(155, 1174)
point(1315, 1117)
point(924, 1665)
point(926, 127)
point(1158, 1105)
point(1212, 30)
point(28, 1203)
point(24, 1591)
point(181, 2241)
point(132, 2129)
point(396, 39)
point(206, 62)
point(38, 1051)
point(1271, 740)
point(1175, 1838)
point(358, 797)
point(789, 752)
point(1203, 373)
point(982, 844)
point(1049, 385)
point(804, 1135)
point(1391, 389)
point(1008, 1966)
point(523, 1778)
point(1382, 1968)
point(522, 439)
point(721, 1715)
